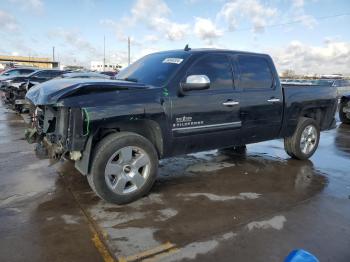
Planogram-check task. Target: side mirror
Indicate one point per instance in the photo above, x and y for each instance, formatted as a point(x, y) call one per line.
point(195, 82)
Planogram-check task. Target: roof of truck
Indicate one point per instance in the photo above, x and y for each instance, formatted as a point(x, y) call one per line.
point(212, 50)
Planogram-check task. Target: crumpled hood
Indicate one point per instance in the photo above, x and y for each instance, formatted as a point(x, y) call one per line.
point(51, 92)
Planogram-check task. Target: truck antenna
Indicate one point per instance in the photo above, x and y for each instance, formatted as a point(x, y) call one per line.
point(187, 48)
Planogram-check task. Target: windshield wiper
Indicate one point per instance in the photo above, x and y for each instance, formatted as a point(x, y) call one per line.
point(130, 79)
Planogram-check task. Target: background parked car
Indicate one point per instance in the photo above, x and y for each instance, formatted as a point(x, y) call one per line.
point(11, 73)
point(85, 75)
point(16, 87)
point(16, 72)
point(112, 74)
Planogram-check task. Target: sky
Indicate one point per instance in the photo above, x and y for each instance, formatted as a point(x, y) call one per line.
point(307, 36)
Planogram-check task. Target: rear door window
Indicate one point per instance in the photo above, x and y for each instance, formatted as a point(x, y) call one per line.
point(255, 72)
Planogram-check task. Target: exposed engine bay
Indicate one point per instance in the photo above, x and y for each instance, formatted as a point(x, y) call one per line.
point(58, 131)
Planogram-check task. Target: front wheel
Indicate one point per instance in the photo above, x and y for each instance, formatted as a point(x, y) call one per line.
point(124, 168)
point(304, 142)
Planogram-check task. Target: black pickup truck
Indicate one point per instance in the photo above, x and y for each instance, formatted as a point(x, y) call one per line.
point(172, 103)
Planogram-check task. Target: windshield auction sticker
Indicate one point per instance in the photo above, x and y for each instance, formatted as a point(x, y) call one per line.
point(172, 60)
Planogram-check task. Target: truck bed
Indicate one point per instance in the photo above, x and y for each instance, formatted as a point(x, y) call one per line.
point(318, 100)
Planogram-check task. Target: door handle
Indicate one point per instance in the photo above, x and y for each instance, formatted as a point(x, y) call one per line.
point(230, 103)
point(273, 100)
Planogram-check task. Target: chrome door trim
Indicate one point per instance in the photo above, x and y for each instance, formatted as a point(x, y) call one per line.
point(232, 124)
point(274, 100)
point(230, 103)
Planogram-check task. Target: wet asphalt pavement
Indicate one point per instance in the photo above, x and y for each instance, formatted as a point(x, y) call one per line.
point(204, 207)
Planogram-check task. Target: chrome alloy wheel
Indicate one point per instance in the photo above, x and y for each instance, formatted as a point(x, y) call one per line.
point(308, 139)
point(127, 170)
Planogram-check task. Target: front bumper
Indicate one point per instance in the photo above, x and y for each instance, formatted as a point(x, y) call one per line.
point(58, 130)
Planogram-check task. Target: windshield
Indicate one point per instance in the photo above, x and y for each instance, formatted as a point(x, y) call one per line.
point(154, 69)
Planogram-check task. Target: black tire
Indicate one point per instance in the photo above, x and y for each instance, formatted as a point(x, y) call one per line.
point(104, 151)
point(342, 116)
point(292, 144)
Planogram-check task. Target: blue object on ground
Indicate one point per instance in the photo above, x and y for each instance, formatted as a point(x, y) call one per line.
point(300, 255)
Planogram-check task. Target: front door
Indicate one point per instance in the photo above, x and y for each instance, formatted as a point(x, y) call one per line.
point(207, 119)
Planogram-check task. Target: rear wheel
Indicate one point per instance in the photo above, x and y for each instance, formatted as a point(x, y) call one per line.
point(304, 142)
point(344, 117)
point(124, 168)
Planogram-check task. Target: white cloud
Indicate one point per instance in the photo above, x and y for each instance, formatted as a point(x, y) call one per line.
point(333, 56)
point(121, 36)
point(8, 22)
point(252, 10)
point(155, 15)
point(297, 13)
point(76, 47)
point(35, 5)
point(145, 9)
point(298, 3)
point(74, 39)
point(307, 20)
point(206, 30)
point(151, 38)
point(173, 31)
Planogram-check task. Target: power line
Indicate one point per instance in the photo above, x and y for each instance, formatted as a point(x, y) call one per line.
point(295, 22)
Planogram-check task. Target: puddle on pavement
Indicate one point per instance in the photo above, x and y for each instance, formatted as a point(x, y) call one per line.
point(342, 141)
point(219, 195)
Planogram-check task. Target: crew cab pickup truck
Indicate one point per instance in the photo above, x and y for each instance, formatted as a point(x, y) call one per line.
point(172, 103)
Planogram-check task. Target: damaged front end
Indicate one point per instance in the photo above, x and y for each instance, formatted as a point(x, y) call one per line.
point(58, 131)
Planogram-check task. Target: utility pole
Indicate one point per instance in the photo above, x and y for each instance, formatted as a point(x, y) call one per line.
point(128, 50)
point(104, 53)
point(53, 54)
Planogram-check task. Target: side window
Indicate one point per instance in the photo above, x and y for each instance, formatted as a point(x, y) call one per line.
point(13, 72)
point(55, 73)
point(217, 68)
point(26, 71)
point(43, 74)
point(255, 72)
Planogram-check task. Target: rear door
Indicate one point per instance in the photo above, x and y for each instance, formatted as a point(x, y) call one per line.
point(205, 119)
point(261, 98)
